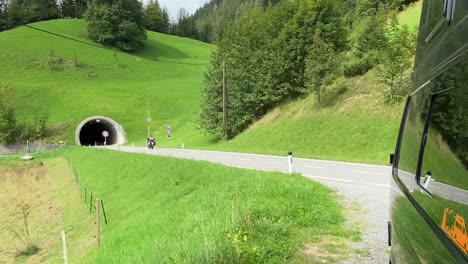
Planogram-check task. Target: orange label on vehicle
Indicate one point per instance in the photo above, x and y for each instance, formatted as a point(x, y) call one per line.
point(454, 226)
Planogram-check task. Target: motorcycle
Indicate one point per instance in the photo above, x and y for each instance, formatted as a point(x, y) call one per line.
point(151, 144)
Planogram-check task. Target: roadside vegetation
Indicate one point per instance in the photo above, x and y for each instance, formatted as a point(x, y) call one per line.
point(167, 210)
point(288, 50)
point(39, 199)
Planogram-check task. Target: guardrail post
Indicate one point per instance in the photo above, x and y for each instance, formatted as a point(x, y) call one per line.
point(98, 231)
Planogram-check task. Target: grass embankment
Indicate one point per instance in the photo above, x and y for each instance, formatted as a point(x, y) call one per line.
point(164, 210)
point(72, 80)
point(411, 16)
point(48, 189)
point(353, 124)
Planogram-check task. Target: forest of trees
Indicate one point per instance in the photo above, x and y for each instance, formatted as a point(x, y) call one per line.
point(117, 23)
point(13, 12)
point(278, 51)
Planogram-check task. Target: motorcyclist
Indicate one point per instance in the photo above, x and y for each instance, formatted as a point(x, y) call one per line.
point(150, 140)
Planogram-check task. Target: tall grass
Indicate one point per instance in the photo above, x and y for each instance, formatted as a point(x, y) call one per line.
point(163, 210)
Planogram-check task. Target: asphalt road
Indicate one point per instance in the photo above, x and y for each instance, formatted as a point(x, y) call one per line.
point(353, 173)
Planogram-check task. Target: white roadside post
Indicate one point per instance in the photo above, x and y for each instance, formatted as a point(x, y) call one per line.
point(290, 162)
point(183, 145)
point(427, 180)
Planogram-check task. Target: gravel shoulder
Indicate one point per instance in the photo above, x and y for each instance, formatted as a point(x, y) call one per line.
point(372, 216)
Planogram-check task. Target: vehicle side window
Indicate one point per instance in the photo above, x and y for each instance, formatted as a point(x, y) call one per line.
point(434, 20)
point(443, 188)
point(412, 135)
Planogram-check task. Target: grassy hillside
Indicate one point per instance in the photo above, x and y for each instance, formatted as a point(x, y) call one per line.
point(72, 80)
point(48, 188)
point(164, 210)
point(412, 15)
point(354, 124)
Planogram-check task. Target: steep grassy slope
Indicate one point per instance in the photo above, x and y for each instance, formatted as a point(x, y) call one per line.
point(72, 80)
point(411, 15)
point(354, 124)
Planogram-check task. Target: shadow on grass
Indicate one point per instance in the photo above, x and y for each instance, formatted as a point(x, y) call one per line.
point(155, 50)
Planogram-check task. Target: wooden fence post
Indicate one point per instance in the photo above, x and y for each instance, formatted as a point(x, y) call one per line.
point(98, 231)
point(104, 211)
point(91, 203)
point(65, 254)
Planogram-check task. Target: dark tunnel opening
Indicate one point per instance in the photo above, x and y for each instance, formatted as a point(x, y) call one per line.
point(91, 133)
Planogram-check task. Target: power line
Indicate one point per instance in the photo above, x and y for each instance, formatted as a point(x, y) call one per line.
point(99, 46)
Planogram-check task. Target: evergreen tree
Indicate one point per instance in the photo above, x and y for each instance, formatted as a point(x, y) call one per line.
point(321, 65)
point(26, 11)
point(396, 55)
point(68, 8)
point(5, 23)
point(7, 115)
point(117, 23)
point(185, 26)
point(165, 20)
point(154, 19)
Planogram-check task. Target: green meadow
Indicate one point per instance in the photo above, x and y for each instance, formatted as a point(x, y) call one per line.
point(164, 210)
point(72, 81)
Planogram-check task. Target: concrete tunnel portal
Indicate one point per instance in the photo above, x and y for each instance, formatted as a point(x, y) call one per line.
point(90, 132)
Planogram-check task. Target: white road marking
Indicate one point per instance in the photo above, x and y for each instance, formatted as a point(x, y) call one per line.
point(311, 166)
point(327, 178)
point(275, 162)
point(434, 187)
point(348, 181)
point(462, 195)
point(224, 157)
point(366, 172)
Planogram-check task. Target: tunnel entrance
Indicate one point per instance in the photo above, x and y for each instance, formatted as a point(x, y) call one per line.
point(90, 132)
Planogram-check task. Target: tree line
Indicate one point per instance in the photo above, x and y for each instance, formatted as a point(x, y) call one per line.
point(121, 24)
point(278, 51)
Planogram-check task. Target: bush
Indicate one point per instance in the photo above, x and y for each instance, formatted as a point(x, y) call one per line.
point(356, 66)
point(359, 65)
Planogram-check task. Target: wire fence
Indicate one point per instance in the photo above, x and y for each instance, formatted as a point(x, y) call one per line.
point(28, 147)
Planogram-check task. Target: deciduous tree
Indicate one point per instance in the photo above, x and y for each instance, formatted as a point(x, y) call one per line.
point(117, 23)
point(396, 60)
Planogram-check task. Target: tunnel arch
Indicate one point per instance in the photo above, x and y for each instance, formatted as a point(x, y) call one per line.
point(89, 132)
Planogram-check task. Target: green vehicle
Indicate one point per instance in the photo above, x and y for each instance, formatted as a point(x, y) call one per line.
point(429, 187)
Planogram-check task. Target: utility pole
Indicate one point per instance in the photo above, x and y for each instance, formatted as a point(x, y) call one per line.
point(148, 120)
point(225, 95)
